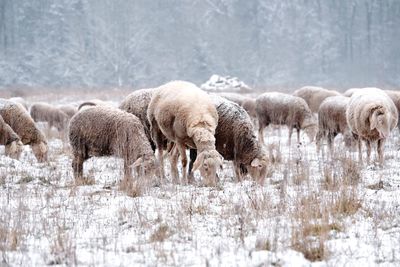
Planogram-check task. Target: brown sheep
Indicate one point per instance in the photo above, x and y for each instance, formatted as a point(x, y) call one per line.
point(185, 115)
point(106, 131)
point(371, 115)
point(235, 140)
point(248, 103)
point(137, 103)
point(23, 125)
point(332, 121)
point(11, 141)
point(283, 109)
point(314, 95)
point(43, 112)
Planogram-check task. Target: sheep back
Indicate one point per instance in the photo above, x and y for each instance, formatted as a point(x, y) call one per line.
point(314, 95)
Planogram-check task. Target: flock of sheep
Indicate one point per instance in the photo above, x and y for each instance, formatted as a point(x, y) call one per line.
point(178, 116)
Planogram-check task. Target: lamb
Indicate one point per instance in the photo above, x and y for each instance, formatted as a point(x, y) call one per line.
point(43, 112)
point(107, 131)
point(20, 100)
point(371, 115)
point(235, 140)
point(184, 114)
point(332, 121)
point(137, 103)
point(250, 106)
point(23, 125)
point(314, 95)
point(11, 141)
point(70, 110)
point(283, 109)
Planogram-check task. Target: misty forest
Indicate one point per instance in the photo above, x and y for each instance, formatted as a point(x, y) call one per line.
point(140, 43)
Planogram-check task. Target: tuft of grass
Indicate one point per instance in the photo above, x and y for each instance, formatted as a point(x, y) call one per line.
point(162, 232)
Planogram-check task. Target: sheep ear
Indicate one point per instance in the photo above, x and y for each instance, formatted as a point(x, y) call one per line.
point(198, 161)
point(138, 162)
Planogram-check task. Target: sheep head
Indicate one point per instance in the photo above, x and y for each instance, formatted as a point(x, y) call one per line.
point(14, 149)
point(40, 150)
point(145, 166)
point(258, 168)
point(379, 121)
point(310, 127)
point(207, 163)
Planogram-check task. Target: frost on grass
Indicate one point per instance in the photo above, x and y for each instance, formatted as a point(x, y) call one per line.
point(312, 209)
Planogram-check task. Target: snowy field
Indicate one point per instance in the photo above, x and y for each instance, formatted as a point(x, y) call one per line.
point(312, 210)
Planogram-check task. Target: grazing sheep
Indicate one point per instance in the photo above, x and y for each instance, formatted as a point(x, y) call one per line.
point(395, 96)
point(332, 121)
point(283, 109)
point(235, 140)
point(137, 103)
point(185, 115)
point(23, 125)
point(43, 112)
point(314, 95)
point(106, 131)
point(20, 100)
point(350, 92)
point(70, 110)
point(11, 141)
point(371, 115)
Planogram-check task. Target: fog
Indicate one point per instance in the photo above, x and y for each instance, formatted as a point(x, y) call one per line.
point(337, 43)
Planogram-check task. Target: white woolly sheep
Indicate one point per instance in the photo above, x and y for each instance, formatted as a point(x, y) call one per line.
point(106, 131)
point(283, 109)
point(314, 95)
point(185, 115)
point(371, 115)
point(23, 125)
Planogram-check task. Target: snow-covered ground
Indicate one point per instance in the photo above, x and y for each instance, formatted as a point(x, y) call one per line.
point(312, 210)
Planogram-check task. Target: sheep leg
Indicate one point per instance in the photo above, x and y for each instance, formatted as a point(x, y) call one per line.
point(157, 137)
point(318, 140)
point(127, 170)
point(174, 165)
point(298, 135)
point(77, 166)
point(330, 143)
point(238, 172)
point(192, 156)
point(261, 133)
point(184, 161)
point(290, 136)
point(381, 143)
point(359, 150)
point(368, 143)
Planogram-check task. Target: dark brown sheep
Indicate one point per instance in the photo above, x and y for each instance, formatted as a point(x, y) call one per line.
point(24, 126)
point(236, 141)
point(106, 131)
